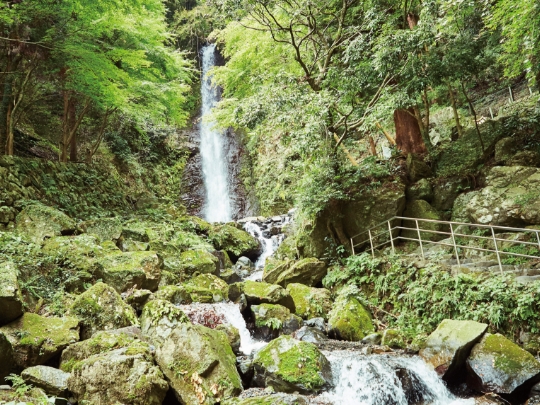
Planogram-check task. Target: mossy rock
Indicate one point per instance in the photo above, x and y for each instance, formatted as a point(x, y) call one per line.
point(273, 399)
point(421, 190)
point(207, 288)
point(125, 270)
point(139, 298)
point(11, 301)
point(273, 269)
point(265, 293)
point(191, 262)
point(36, 339)
point(175, 294)
point(101, 308)
point(422, 210)
point(288, 365)
point(234, 241)
point(287, 250)
point(349, 320)
point(38, 222)
point(49, 379)
point(498, 365)
point(272, 320)
point(308, 271)
point(6, 357)
point(103, 228)
point(199, 364)
point(393, 338)
point(447, 348)
point(233, 334)
point(159, 318)
point(310, 302)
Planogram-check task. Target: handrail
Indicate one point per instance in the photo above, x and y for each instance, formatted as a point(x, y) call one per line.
point(388, 232)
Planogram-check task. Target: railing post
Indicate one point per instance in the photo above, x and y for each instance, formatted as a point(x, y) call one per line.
point(392, 238)
point(454, 242)
point(420, 239)
point(538, 239)
point(496, 249)
point(352, 246)
point(371, 242)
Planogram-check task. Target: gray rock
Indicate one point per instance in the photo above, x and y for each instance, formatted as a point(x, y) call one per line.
point(11, 306)
point(317, 323)
point(524, 158)
point(51, 380)
point(373, 339)
point(308, 334)
point(39, 221)
point(421, 190)
point(416, 168)
point(449, 345)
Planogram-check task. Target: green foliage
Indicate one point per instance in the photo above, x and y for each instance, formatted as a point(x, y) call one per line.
point(417, 300)
point(20, 386)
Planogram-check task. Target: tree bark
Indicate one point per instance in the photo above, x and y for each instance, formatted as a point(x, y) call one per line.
point(9, 133)
point(372, 146)
point(471, 106)
point(454, 108)
point(408, 134)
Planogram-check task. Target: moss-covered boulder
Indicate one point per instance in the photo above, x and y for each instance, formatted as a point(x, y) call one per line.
point(191, 262)
point(178, 295)
point(422, 210)
point(274, 267)
point(236, 242)
point(159, 318)
point(38, 221)
point(310, 302)
point(265, 293)
point(288, 365)
point(114, 368)
point(49, 379)
point(101, 308)
point(421, 190)
point(496, 364)
point(11, 302)
point(6, 357)
point(417, 168)
point(199, 364)
point(103, 228)
point(269, 399)
point(349, 320)
point(36, 339)
point(233, 334)
point(308, 271)
point(272, 320)
point(449, 345)
point(393, 338)
point(207, 288)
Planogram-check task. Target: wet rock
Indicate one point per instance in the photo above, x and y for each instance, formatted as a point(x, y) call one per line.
point(125, 270)
point(175, 294)
point(199, 364)
point(317, 323)
point(39, 221)
point(309, 272)
point(349, 320)
point(449, 345)
point(101, 308)
point(207, 288)
point(263, 293)
point(288, 365)
point(310, 302)
point(272, 320)
point(234, 241)
point(232, 334)
point(308, 334)
point(36, 339)
point(49, 379)
point(498, 365)
point(372, 339)
point(11, 305)
point(6, 357)
point(491, 399)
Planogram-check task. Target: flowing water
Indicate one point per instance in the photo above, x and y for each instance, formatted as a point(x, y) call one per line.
point(385, 380)
point(231, 315)
point(213, 149)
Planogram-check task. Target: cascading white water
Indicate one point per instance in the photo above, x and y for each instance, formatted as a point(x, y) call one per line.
point(373, 380)
point(212, 147)
point(230, 312)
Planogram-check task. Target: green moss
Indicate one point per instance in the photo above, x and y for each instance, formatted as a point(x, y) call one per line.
point(509, 357)
point(207, 288)
point(394, 339)
point(310, 302)
point(157, 309)
point(46, 333)
point(349, 320)
point(234, 241)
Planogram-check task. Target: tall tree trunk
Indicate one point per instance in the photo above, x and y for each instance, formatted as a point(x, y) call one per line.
point(372, 146)
point(9, 132)
point(73, 143)
point(454, 109)
point(471, 106)
point(408, 134)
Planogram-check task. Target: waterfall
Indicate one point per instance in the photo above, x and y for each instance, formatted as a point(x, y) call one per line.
point(384, 380)
point(213, 149)
point(230, 313)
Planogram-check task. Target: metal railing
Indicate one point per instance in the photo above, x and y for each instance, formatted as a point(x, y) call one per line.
point(445, 233)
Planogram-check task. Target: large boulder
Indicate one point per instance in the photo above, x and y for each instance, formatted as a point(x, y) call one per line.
point(271, 320)
point(101, 308)
point(449, 345)
point(173, 293)
point(310, 302)
point(421, 209)
point(36, 339)
point(191, 262)
point(38, 221)
point(417, 168)
point(273, 267)
point(11, 303)
point(207, 288)
point(288, 365)
point(264, 293)
point(159, 318)
point(511, 198)
point(6, 357)
point(125, 270)
point(349, 320)
point(103, 228)
point(421, 190)
point(199, 364)
point(236, 242)
point(308, 271)
point(49, 379)
point(269, 399)
point(114, 368)
point(496, 364)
